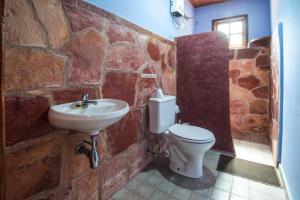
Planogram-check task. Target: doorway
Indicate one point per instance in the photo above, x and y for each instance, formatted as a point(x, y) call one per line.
point(251, 100)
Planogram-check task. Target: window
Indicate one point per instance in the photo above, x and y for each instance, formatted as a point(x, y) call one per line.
point(236, 29)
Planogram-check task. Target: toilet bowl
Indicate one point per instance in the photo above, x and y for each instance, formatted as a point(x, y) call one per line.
point(186, 144)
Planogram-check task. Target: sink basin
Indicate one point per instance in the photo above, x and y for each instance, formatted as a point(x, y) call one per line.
point(91, 120)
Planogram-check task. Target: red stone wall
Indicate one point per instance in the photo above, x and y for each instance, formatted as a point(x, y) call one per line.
point(203, 84)
point(55, 51)
point(249, 92)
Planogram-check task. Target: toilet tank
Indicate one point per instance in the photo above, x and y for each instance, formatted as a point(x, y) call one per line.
point(162, 113)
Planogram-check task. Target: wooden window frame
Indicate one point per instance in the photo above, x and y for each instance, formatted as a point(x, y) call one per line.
point(231, 19)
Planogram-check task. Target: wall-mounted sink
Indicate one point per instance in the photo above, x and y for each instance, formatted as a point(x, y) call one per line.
point(92, 119)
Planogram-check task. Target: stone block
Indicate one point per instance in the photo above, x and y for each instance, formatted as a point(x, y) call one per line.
point(247, 53)
point(248, 65)
point(124, 133)
point(125, 57)
point(145, 90)
point(73, 94)
point(87, 186)
point(263, 74)
point(238, 93)
point(163, 64)
point(137, 157)
point(263, 61)
point(21, 27)
point(236, 123)
point(51, 15)
point(153, 50)
point(32, 69)
point(259, 107)
point(261, 92)
point(249, 82)
point(115, 175)
point(75, 165)
point(171, 57)
point(120, 86)
point(86, 51)
point(256, 124)
point(82, 19)
point(118, 33)
point(238, 107)
point(26, 118)
point(33, 169)
point(234, 74)
point(64, 192)
point(169, 81)
point(234, 64)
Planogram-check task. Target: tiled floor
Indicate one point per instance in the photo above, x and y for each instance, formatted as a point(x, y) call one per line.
point(157, 182)
point(255, 152)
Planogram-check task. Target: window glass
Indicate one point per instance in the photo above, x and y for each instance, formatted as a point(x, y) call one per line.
point(236, 29)
point(223, 28)
point(236, 40)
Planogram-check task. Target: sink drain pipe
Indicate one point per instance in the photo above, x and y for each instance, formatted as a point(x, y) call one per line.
point(91, 152)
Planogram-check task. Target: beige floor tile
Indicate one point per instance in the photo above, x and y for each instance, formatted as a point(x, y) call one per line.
point(256, 195)
point(204, 192)
point(225, 177)
point(152, 185)
point(219, 195)
point(158, 195)
point(196, 196)
point(241, 187)
point(181, 193)
point(223, 185)
point(255, 152)
point(235, 197)
point(145, 191)
point(133, 184)
point(167, 187)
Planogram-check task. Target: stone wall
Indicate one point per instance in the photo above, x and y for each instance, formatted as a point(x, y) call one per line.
point(55, 51)
point(203, 85)
point(249, 92)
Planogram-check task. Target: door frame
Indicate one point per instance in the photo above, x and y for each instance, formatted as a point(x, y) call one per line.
point(2, 135)
point(281, 85)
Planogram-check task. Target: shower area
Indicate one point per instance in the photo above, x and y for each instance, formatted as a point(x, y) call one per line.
point(249, 82)
point(230, 92)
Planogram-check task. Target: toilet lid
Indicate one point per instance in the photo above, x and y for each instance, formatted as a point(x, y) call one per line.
point(192, 133)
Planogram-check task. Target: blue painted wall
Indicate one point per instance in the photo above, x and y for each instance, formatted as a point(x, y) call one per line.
point(258, 15)
point(153, 15)
point(288, 12)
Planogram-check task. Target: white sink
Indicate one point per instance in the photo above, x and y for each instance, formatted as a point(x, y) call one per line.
point(89, 120)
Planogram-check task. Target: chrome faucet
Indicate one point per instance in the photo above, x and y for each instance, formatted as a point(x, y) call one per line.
point(85, 97)
point(85, 101)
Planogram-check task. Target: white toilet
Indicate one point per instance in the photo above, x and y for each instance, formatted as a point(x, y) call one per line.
point(186, 144)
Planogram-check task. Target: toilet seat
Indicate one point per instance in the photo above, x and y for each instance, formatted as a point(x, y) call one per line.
point(191, 134)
